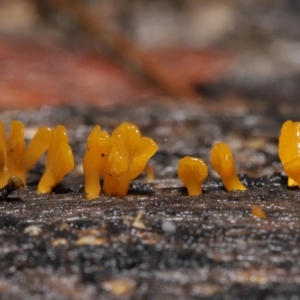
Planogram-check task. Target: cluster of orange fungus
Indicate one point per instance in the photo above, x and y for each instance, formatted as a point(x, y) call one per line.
point(117, 159)
point(289, 151)
point(15, 158)
point(222, 161)
point(59, 160)
point(192, 172)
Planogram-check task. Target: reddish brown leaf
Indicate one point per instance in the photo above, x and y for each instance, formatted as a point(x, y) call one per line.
point(34, 75)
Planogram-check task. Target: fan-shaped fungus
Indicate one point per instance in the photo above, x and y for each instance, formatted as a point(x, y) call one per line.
point(192, 172)
point(140, 149)
point(128, 158)
point(222, 161)
point(59, 160)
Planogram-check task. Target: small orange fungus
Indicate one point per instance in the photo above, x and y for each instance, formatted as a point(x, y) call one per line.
point(192, 172)
point(15, 159)
point(95, 159)
point(128, 158)
point(258, 212)
point(59, 160)
point(222, 161)
point(289, 151)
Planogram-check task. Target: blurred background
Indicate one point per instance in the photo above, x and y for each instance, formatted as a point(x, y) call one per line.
point(134, 50)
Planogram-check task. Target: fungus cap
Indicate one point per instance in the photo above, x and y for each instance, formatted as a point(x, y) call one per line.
point(130, 134)
point(222, 160)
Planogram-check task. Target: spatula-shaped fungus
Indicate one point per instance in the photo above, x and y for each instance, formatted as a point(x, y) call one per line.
point(98, 148)
point(289, 151)
point(222, 161)
point(192, 172)
point(59, 160)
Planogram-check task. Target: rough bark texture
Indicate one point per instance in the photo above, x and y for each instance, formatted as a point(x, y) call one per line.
point(157, 242)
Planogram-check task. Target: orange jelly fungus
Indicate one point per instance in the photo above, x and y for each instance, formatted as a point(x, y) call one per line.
point(222, 161)
point(289, 151)
point(258, 212)
point(192, 172)
point(127, 160)
point(98, 148)
point(59, 160)
point(16, 160)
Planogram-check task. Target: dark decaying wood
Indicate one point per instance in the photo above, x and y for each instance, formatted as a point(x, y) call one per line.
point(157, 242)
